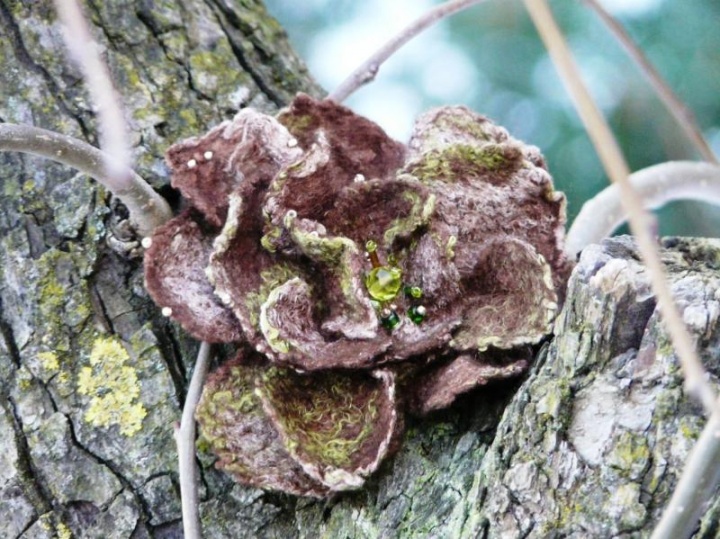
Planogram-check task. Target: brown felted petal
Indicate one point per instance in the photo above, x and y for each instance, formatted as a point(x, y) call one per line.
point(340, 146)
point(175, 278)
point(410, 339)
point(242, 271)
point(289, 324)
point(360, 142)
point(338, 268)
point(239, 432)
point(439, 387)
point(510, 298)
point(430, 265)
point(381, 210)
point(338, 426)
point(207, 169)
point(487, 183)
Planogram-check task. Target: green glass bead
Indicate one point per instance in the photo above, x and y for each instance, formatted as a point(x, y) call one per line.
point(390, 321)
point(413, 292)
point(383, 283)
point(417, 313)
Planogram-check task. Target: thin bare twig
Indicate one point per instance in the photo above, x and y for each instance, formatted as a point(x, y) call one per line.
point(640, 221)
point(185, 439)
point(112, 167)
point(684, 116)
point(656, 185)
point(148, 210)
point(111, 123)
point(367, 71)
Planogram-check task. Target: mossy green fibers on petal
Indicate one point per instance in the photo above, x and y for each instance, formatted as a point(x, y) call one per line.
point(324, 414)
point(327, 249)
point(458, 161)
point(419, 215)
point(235, 394)
point(269, 239)
point(340, 257)
point(296, 123)
point(272, 277)
point(269, 331)
point(458, 121)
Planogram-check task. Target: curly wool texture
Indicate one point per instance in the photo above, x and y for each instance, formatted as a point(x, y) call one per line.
point(464, 223)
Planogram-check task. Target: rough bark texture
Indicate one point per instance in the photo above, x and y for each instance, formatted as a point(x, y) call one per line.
point(589, 445)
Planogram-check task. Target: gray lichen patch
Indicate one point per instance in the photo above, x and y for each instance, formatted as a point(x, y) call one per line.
point(71, 201)
point(160, 494)
point(15, 505)
point(215, 73)
point(49, 525)
point(71, 474)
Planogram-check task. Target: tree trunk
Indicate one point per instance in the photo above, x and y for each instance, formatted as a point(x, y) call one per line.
point(589, 445)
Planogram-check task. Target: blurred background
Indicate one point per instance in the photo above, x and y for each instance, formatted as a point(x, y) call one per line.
point(490, 58)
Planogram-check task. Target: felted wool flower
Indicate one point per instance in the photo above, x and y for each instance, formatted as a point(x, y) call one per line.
point(359, 277)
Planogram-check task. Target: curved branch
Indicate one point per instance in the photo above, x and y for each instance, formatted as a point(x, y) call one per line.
point(148, 210)
point(185, 438)
point(656, 185)
point(367, 71)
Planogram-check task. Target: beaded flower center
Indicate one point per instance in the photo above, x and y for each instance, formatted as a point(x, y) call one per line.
point(383, 284)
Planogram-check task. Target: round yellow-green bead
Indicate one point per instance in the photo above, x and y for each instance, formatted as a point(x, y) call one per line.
point(383, 283)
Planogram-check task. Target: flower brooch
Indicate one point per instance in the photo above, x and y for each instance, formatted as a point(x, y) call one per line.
point(360, 278)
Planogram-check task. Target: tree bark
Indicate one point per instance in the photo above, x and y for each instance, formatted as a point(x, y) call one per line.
point(590, 444)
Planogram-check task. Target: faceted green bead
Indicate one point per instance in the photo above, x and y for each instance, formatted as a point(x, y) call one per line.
point(383, 283)
point(413, 292)
point(390, 321)
point(417, 313)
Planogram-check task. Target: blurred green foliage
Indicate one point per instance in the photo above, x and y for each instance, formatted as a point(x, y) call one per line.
point(515, 84)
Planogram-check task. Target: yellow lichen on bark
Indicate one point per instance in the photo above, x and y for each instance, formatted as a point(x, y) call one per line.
point(49, 361)
point(113, 388)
